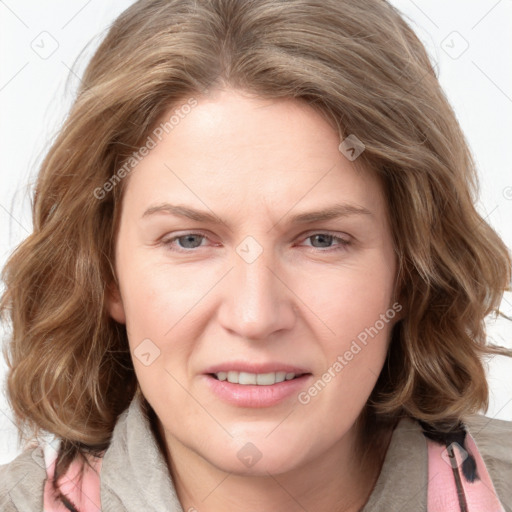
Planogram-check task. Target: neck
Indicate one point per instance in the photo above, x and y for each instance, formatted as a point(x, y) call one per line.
point(337, 480)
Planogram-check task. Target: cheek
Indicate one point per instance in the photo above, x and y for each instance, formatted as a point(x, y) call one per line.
point(161, 304)
point(159, 335)
point(355, 317)
point(352, 360)
point(156, 296)
point(348, 301)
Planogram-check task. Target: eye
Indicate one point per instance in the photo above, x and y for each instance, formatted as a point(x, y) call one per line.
point(325, 239)
point(186, 242)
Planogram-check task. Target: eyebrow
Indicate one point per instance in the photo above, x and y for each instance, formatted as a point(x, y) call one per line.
point(331, 212)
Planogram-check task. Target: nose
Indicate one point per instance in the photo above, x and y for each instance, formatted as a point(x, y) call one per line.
point(257, 301)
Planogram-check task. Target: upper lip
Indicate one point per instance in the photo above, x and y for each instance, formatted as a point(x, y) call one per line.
point(241, 366)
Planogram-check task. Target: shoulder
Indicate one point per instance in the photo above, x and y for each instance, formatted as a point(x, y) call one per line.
point(493, 438)
point(22, 482)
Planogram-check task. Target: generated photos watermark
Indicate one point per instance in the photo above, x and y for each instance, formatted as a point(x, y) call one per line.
point(355, 348)
point(151, 142)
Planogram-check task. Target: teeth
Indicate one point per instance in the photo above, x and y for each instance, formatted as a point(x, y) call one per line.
point(222, 375)
point(259, 379)
point(233, 377)
point(247, 378)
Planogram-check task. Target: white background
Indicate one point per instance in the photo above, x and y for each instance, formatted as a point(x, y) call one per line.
point(470, 42)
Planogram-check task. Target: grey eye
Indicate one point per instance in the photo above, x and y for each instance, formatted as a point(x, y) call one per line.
point(325, 240)
point(189, 242)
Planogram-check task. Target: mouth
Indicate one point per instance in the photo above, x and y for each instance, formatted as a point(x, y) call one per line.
point(262, 389)
point(256, 379)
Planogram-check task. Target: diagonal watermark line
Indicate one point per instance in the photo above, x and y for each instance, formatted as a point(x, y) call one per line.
point(7, 495)
point(301, 198)
point(220, 220)
point(199, 301)
point(14, 76)
point(372, 372)
point(484, 219)
point(281, 422)
point(287, 492)
point(9, 418)
point(423, 488)
point(215, 488)
point(424, 14)
point(494, 417)
point(505, 299)
point(492, 81)
point(12, 12)
point(435, 68)
point(73, 72)
point(75, 15)
point(198, 403)
point(300, 299)
point(14, 218)
point(485, 15)
point(491, 212)
point(110, 109)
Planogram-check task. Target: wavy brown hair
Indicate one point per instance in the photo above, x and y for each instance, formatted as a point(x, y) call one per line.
point(363, 68)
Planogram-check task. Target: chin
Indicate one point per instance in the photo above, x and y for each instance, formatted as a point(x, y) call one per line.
point(257, 457)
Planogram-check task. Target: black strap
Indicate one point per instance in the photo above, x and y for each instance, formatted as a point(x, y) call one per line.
point(446, 438)
point(457, 435)
point(68, 503)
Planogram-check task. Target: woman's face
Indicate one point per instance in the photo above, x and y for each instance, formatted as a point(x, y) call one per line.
point(245, 282)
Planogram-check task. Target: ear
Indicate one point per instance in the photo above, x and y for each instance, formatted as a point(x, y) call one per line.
point(115, 304)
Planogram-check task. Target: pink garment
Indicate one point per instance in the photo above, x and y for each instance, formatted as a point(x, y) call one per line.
point(442, 491)
point(81, 483)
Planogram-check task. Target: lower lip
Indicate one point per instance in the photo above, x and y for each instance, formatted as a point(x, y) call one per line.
point(256, 396)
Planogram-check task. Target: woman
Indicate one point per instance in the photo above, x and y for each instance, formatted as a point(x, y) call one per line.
point(257, 278)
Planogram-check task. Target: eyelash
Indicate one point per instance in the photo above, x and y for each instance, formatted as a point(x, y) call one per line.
point(343, 243)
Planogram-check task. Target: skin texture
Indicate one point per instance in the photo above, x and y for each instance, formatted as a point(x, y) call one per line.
point(255, 163)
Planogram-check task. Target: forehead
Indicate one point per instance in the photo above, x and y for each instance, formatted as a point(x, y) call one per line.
point(247, 152)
